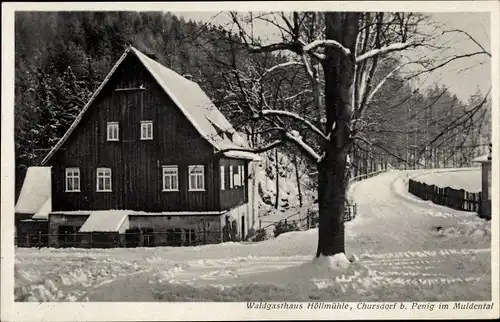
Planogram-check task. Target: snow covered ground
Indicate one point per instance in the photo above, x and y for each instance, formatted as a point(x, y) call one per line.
point(469, 180)
point(406, 249)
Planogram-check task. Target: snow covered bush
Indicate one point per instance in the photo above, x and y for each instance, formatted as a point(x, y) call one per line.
point(284, 226)
point(260, 235)
point(250, 234)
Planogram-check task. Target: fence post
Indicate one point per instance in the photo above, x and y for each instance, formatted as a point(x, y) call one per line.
point(90, 241)
point(65, 239)
point(480, 204)
point(260, 224)
point(27, 240)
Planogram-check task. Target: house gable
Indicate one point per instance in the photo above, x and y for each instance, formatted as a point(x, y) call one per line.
point(184, 133)
point(187, 96)
point(135, 164)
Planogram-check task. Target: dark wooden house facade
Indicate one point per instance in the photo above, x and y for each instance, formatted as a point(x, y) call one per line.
point(150, 142)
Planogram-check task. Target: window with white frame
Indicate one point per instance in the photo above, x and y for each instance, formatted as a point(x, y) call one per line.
point(242, 175)
point(231, 184)
point(222, 178)
point(170, 178)
point(196, 177)
point(113, 131)
point(103, 179)
point(146, 130)
point(237, 181)
point(72, 180)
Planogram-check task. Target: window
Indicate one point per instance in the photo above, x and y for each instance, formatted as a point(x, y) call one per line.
point(170, 178)
point(72, 180)
point(113, 131)
point(237, 182)
point(196, 178)
point(231, 177)
point(242, 175)
point(222, 179)
point(103, 179)
point(146, 130)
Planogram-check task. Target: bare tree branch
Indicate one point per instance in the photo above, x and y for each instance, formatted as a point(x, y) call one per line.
point(457, 121)
point(470, 37)
point(296, 117)
point(385, 50)
point(304, 146)
point(290, 63)
point(453, 58)
point(326, 43)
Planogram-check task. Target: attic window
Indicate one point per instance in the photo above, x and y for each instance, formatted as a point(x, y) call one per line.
point(113, 131)
point(146, 130)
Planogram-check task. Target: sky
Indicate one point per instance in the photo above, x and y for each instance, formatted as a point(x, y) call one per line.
point(463, 77)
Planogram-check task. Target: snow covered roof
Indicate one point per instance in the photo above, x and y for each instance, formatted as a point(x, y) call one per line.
point(187, 95)
point(242, 155)
point(43, 213)
point(482, 159)
point(35, 193)
point(105, 221)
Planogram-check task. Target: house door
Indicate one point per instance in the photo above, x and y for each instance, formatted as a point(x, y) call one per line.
point(132, 237)
point(242, 227)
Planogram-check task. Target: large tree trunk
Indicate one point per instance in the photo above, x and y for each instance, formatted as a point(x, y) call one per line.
point(339, 85)
point(331, 199)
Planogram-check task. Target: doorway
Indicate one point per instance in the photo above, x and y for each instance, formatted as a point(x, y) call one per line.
point(242, 227)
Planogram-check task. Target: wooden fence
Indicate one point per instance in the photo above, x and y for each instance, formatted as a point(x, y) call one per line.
point(449, 197)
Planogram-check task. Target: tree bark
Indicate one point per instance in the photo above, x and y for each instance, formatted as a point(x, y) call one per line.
point(297, 176)
point(277, 201)
point(339, 86)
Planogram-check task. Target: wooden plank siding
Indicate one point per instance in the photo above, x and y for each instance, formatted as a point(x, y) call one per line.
point(136, 164)
point(231, 198)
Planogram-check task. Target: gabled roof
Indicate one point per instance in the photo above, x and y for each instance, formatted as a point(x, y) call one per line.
point(35, 196)
point(189, 98)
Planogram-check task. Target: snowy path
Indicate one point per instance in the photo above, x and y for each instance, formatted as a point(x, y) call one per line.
point(402, 256)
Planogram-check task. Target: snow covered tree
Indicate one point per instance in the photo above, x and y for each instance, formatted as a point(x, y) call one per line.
point(340, 53)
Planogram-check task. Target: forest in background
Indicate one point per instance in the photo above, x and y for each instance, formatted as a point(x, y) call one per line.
point(61, 58)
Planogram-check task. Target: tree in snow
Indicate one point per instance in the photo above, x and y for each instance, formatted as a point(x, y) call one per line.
point(340, 53)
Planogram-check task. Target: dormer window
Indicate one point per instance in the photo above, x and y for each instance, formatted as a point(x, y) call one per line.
point(113, 131)
point(146, 130)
